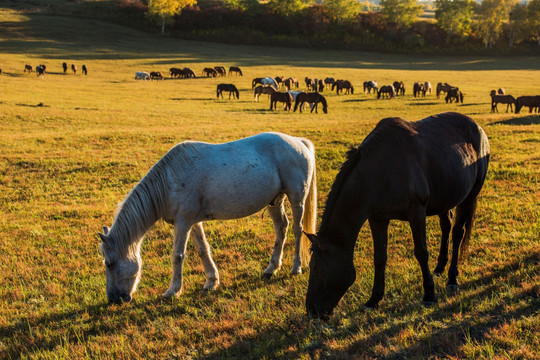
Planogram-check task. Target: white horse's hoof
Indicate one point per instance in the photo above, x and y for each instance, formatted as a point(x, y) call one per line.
point(171, 293)
point(210, 286)
point(296, 271)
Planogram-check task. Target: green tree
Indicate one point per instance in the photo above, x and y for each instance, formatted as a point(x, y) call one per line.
point(341, 10)
point(164, 10)
point(533, 16)
point(286, 7)
point(401, 12)
point(454, 16)
point(492, 16)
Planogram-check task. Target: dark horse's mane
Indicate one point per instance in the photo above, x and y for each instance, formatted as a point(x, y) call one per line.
point(388, 130)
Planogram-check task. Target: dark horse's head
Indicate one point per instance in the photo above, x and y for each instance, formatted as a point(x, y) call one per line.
point(324, 104)
point(331, 274)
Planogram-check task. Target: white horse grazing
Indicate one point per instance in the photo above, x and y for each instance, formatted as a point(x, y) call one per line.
point(269, 81)
point(141, 75)
point(197, 181)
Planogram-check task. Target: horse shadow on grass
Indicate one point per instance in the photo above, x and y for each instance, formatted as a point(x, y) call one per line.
point(526, 120)
point(299, 336)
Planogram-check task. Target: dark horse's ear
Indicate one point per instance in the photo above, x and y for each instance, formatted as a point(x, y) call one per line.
point(104, 238)
point(315, 242)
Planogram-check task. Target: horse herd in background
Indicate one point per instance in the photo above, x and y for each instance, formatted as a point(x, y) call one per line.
point(40, 69)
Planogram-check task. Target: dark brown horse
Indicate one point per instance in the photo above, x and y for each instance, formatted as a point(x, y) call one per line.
point(399, 86)
point(220, 70)
point(74, 68)
point(509, 100)
point(65, 67)
point(311, 98)
point(188, 73)
point(419, 88)
point(386, 91)
point(84, 70)
point(283, 97)
point(405, 171)
point(209, 72)
point(176, 72)
point(236, 70)
point(28, 68)
point(290, 82)
point(370, 85)
point(340, 85)
point(443, 87)
point(227, 87)
point(454, 94)
point(532, 102)
point(156, 75)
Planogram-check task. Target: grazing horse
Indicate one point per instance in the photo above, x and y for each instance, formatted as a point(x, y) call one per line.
point(176, 72)
point(532, 102)
point(156, 75)
point(310, 98)
point(290, 82)
point(443, 87)
point(230, 88)
point(419, 88)
point(454, 94)
point(220, 70)
point(196, 182)
point(142, 75)
point(209, 72)
point(386, 91)
point(371, 85)
point(260, 89)
point(329, 81)
point(28, 68)
point(40, 70)
point(65, 67)
point(84, 70)
point(309, 83)
point(284, 97)
point(339, 85)
point(509, 100)
point(405, 171)
point(236, 70)
point(188, 73)
point(399, 86)
point(74, 68)
point(427, 85)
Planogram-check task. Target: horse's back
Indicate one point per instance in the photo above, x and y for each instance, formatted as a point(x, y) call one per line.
point(238, 178)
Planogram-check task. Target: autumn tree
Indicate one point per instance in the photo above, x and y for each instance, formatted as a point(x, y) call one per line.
point(401, 12)
point(341, 10)
point(533, 16)
point(164, 10)
point(454, 16)
point(286, 7)
point(492, 16)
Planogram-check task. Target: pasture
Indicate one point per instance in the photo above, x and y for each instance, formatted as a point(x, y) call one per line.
point(72, 147)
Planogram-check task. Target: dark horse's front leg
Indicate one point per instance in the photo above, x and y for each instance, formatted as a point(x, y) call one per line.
point(379, 232)
point(417, 221)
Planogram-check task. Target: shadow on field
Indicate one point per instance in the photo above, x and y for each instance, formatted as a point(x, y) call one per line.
point(53, 37)
point(526, 120)
point(298, 336)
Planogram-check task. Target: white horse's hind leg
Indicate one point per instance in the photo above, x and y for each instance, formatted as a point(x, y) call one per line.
point(203, 249)
point(181, 234)
point(298, 207)
point(281, 223)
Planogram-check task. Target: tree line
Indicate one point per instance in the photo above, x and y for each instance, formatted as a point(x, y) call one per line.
point(392, 25)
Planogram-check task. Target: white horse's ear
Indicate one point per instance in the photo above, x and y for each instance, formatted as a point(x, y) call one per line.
point(104, 238)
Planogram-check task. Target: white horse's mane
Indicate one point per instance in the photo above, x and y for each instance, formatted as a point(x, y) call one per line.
point(145, 203)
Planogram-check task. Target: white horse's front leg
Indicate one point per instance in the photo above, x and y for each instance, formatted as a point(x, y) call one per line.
point(281, 223)
point(203, 249)
point(181, 234)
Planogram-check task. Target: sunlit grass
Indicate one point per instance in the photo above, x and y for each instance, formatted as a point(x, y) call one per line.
point(66, 163)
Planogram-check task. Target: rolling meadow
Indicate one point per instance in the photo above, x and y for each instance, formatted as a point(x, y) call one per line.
point(73, 146)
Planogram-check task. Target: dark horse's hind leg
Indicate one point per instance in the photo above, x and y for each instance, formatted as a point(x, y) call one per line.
point(379, 232)
point(445, 220)
point(417, 221)
point(461, 234)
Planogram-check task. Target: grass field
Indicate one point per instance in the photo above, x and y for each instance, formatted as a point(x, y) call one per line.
point(72, 147)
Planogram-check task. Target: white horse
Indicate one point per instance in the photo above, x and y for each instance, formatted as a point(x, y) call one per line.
point(141, 75)
point(196, 182)
point(269, 81)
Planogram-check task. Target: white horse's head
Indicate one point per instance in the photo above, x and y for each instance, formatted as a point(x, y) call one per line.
point(122, 269)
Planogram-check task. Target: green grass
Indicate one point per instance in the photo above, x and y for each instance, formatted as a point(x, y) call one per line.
point(66, 164)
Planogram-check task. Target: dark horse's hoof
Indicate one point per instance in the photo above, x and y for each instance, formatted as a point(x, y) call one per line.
point(266, 276)
point(372, 304)
point(429, 300)
point(452, 287)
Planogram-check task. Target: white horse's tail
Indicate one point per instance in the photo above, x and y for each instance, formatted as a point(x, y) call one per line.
point(309, 223)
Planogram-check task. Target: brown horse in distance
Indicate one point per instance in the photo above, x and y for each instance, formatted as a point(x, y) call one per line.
point(283, 97)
